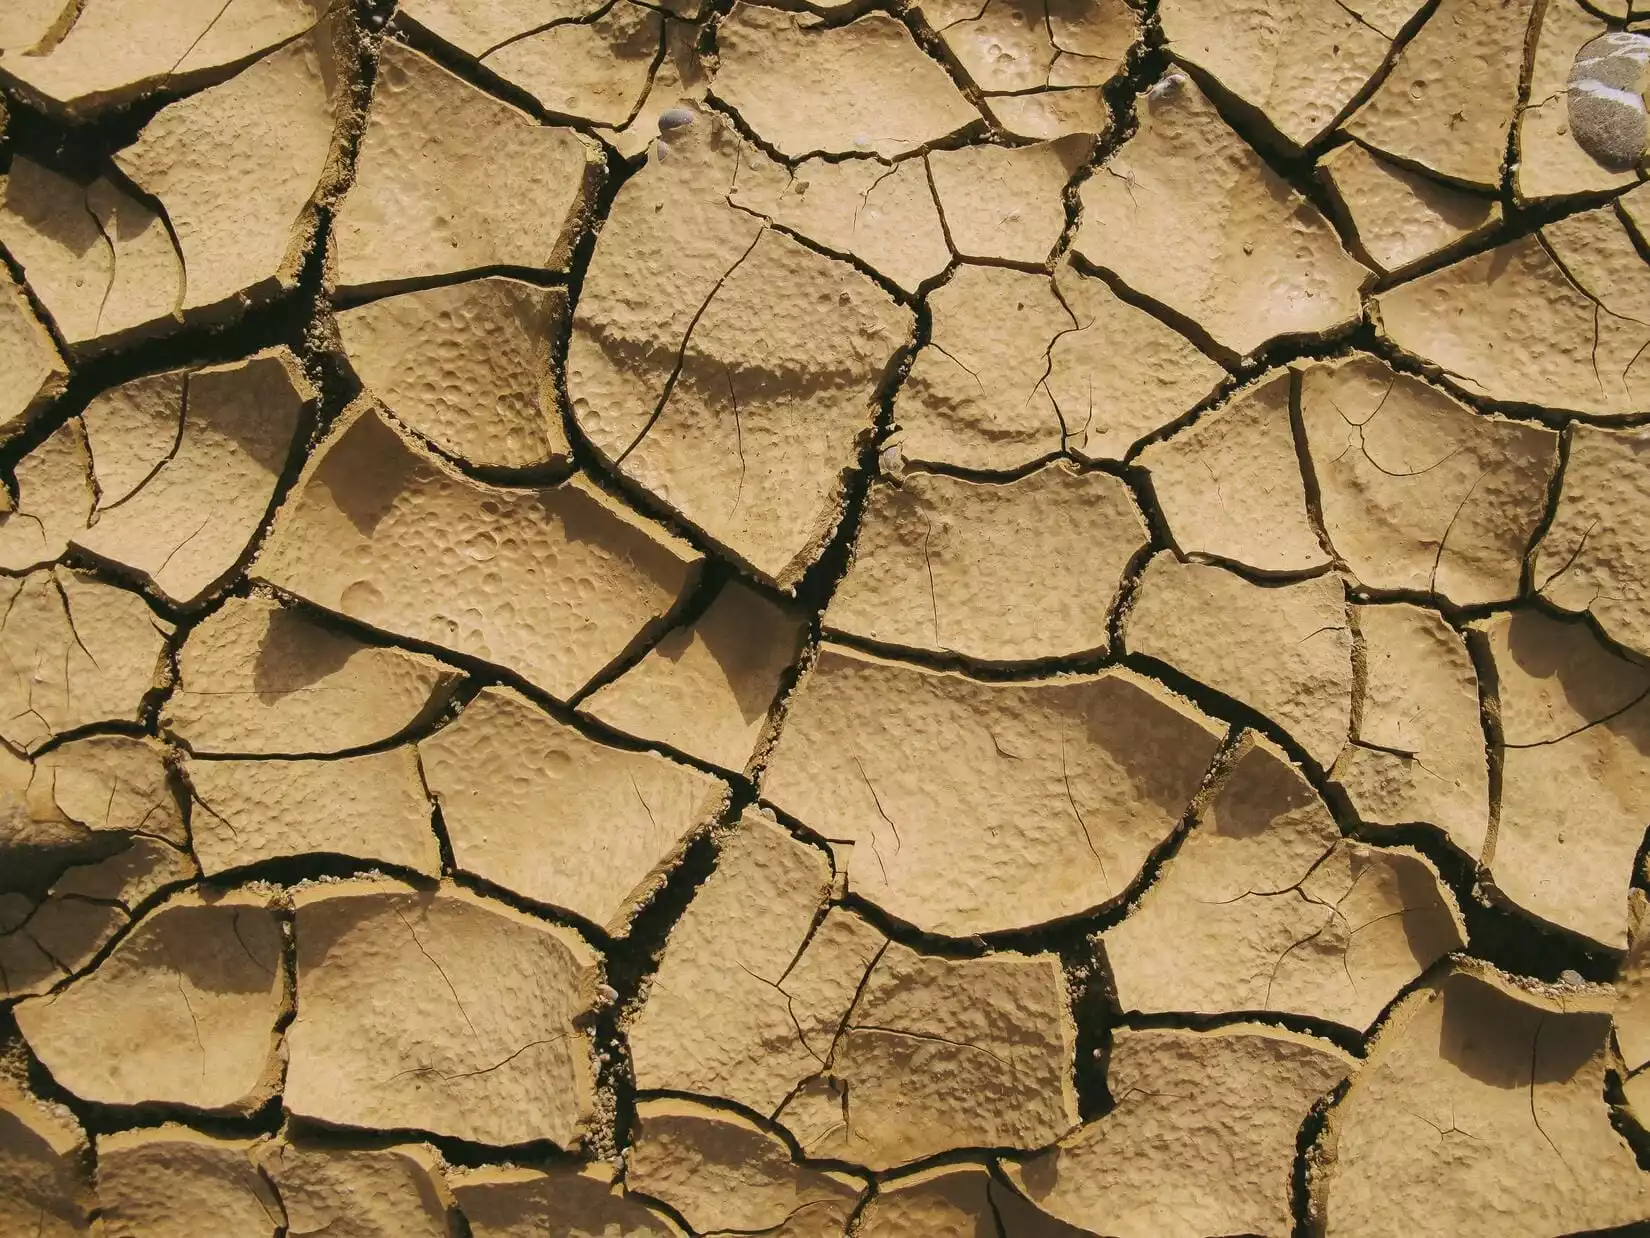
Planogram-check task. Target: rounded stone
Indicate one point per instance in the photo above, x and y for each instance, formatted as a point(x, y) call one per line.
point(1606, 98)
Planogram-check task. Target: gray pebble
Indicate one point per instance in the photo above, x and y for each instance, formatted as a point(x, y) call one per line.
point(675, 118)
point(1606, 101)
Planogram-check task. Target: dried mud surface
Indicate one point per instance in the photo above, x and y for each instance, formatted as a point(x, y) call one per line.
point(828, 619)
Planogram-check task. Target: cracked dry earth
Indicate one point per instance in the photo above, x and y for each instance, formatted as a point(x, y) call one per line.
point(979, 618)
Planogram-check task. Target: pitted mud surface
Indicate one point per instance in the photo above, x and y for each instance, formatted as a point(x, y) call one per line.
point(839, 619)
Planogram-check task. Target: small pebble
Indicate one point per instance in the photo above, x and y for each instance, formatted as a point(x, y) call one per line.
point(1606, 99)
point(1571, 978)
point(674, 118)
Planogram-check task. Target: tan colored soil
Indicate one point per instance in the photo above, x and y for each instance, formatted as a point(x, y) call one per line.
point(826, 619)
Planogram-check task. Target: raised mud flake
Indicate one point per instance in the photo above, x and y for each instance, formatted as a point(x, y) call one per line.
point(1230, 484)
point(44, 1190)
point(257, 678)
point(466, 366)
point(721, 1172)
point(384, 1192)
point(1509, 324)
point(1189, 216)
point(938, 1054)
point(476, 27)
point(1574, 137)
point(811, 89)
point(1120, 374)
point(100, 262)
point(755, 428)
point(101, 62)
point(76, 651)
point(1007, 203)
point(185, 525)
point(54, 500)
point(173, 1182)
point(1594, 558)
point(528, 1203)
point(595, 70)
point(1450, 98)
point(1285, 650)
point(956, 1201)
point(1043, 115)
point(1485, 1100)
point(28, 24)
point(28, 355)
point(1417, 749)
point(535, 807)
point(1575, 787)
point(1017, 571)
point(721, 1018)
point(1400, 217)
point(552, 583)
point(978, 807)
point(1034, 48)
point(450, 179)
point(1299, 63)
point(708, 687)
point(371, 808)
point(492, 1050)
point(1266, 907)
point(182, 1012)
point(883, 213)
point(1631, 1015)
point(239, 169)
point(978, 394)
point(1418, 492)
point(1202, 1140)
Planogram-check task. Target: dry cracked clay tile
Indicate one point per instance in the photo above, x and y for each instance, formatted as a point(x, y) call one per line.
point(475, 27)
point(882, 213)
point(386, 1192)
point(1400, 217)
point(450, 179)
point(1230, 484)
point(1632, 984)
point(239, 168)
point(1557, 318)
point(101, 263)
point(533, 806)
point(440, 1011)
point(29, 358)
point(708, 687)
point(1450, 98)
point(183, 1011)
point(553, 583)
point(44, 1189)
point(1299, 63)
point(1594, 558)
point(595, 70)
point(720, 1171)
point(1285, 650)
point(257, 678)
point(1417, 749)
point(566, 1199)
point(946, 565)
point(1418, 492)
point(117, 50)
point(1007, 203)
point(1559, 121)
point(956, 1201)
point(76, 651)
point(1484, 1100)
point(1021, 802)
point(1575, 724)
point(54, 500)
point(28, 25)
point(809, 89)
point(1266, 907)
point(1186, 214)
point(466, 366)
point(759, 993)
point(1035, 50)
point(724, 367)
point(1202, 1140)
point(375, 810)
point(173, 1182)
point(192, 462)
